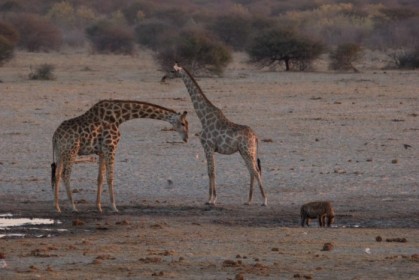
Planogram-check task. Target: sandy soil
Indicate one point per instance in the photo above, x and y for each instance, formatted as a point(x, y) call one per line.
point(351, 138)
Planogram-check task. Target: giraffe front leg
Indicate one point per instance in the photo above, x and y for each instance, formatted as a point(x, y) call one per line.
point(110, 175)
point(211, 175)
point(102, 168)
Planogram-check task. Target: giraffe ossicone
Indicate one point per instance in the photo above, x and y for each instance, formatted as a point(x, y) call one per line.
point(97, 132)
point(220, 135)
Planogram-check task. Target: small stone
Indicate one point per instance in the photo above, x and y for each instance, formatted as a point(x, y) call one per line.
point(378, 238)
point(275, 249)
point(239, 276)
point(123, 223)
point(78, 222)
point(230, 263)
point(328, 246)
point(394, 161)
point(33, 268)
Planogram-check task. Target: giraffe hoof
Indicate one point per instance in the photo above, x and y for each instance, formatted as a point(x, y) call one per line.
point(247, 203)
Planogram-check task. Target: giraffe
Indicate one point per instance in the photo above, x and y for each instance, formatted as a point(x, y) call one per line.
point(97, 132)
point(222, 136)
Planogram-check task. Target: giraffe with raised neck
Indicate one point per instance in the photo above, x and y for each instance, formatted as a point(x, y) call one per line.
point(220, 135)
point(97, 132)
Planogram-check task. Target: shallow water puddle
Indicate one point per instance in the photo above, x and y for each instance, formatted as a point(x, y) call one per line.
point(21, 227)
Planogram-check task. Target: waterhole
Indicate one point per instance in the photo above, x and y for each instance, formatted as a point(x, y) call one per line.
point(18, 227)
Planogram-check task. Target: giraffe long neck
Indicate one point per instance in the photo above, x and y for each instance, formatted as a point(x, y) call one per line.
point(119, 111)
point(200, 102)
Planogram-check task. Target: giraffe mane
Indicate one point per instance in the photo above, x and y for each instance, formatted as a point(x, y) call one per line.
point(135, 102)
point(197, 85)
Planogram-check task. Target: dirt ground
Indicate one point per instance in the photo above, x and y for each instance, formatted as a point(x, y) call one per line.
point(351, 138)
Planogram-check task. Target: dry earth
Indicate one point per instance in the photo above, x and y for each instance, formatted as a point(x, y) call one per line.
point(351, 138)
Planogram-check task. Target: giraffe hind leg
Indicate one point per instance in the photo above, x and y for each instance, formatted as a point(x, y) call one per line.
point(253, 166)
point(262, 191)
point(56, 184)
point(66, 178)
point(211, 175)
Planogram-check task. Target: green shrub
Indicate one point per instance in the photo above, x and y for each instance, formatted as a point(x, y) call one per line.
point(106, 37)
point(343, 57)
point(42, 72)
point(196, 50)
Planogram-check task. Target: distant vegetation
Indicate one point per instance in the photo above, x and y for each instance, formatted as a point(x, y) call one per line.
point(125, 26)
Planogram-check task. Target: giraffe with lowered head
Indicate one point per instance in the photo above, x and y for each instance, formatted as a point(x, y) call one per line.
point(222, 136)
point(97, 132)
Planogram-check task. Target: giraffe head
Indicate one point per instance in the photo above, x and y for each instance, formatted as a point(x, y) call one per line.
point(180, 124)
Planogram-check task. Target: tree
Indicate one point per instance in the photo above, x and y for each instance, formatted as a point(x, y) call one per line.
point(277, 46)
point(197, 50)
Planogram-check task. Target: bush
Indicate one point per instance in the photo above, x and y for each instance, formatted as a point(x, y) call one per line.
point(8, 39)
point(277, 46)
point(406, 59)
point(43, 72)
point(6, 50)
point(196, 50)
point(151, 33)
point(37, 34)
point(107, 37)
point(343, 57)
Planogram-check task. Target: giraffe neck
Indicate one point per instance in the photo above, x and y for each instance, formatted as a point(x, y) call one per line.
point(119, 111)
point(200, 102)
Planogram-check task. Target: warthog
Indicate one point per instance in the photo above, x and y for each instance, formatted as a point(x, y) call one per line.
point(317, 209)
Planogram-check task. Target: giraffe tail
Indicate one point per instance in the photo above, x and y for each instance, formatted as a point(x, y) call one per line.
point(258, 160)
point(53, 178)
point(53, 165)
